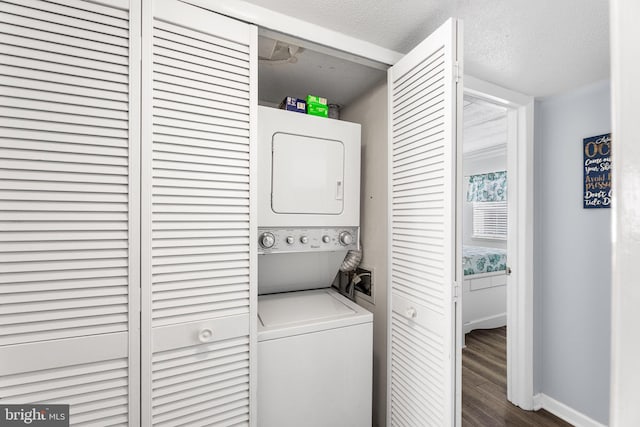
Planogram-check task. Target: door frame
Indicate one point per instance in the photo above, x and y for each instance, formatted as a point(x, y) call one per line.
point(625, 348)
point(520, 247)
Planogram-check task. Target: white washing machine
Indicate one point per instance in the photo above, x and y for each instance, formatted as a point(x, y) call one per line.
point(314, 360)
point(314, 345)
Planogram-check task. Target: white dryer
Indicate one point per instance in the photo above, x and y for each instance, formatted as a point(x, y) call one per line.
point(308, 170)
point(314, 345)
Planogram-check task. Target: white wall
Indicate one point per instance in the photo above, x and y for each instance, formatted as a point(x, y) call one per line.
point(371, 111)
point(625, 62)
point(472, 165)
point(572, 266)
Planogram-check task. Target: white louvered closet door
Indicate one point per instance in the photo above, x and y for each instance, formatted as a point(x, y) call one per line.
point(424, 103)
point(198, 259)
point(69, 233)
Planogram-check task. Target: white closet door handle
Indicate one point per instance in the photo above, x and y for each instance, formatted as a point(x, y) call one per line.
point(411, 313)
point(205, 335)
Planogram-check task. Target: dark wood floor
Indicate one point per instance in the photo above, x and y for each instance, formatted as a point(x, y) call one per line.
point(484, 385)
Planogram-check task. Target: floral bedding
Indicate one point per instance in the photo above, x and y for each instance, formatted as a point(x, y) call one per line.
point(478, 259)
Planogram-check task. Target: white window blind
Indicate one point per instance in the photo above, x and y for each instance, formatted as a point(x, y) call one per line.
point(490, 220)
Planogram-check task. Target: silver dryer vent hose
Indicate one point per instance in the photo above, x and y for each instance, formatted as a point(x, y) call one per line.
point(351, 260)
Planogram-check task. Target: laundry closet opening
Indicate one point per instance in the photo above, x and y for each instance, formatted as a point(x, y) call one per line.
point(306, 162)
point(355, 91)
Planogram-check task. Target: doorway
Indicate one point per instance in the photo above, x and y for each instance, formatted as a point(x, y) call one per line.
point(484, 215)
point(513, 113)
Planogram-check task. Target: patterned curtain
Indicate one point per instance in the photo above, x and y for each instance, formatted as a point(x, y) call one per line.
point(487, 187)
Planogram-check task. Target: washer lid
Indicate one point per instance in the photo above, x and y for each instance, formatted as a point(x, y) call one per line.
point(295, 307)
point(299, 312)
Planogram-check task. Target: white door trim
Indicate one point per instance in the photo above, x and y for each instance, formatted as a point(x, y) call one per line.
point(281, 23)
point(135, 63)
point(520, 258)
point(625, 294)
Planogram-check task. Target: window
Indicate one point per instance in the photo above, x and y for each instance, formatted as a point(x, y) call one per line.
point(490, 220)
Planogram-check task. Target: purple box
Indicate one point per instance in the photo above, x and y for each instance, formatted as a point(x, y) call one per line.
point(293, 104)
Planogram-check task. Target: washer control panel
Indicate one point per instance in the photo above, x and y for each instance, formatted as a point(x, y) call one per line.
point(312, 239)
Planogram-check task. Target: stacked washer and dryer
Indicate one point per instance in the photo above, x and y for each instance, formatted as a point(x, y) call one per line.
point(314, 345)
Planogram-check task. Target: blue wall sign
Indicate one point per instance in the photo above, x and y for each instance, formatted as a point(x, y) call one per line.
point(597, 171)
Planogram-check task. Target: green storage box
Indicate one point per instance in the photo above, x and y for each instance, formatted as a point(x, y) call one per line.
point(317, 106)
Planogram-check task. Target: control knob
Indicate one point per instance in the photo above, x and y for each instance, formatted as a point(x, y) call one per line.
point(345, 238)
point(304, 240)
point(326, 239)
point(267, 240)
point(290, 240)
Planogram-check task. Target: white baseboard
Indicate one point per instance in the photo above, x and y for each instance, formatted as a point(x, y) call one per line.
point(485, 323)
point(570, 415)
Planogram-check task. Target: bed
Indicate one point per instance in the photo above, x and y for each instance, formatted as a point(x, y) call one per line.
point(484, 297)
point(479, 259)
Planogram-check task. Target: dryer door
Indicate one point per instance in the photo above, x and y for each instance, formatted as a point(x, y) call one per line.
point(307, 175)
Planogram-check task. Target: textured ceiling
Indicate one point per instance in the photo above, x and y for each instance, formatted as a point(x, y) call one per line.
point(537, 47)
point(484, 125)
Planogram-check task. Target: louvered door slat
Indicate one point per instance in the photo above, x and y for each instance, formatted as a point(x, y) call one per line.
point(59, 117)
point(426, 86)
point(111, 99)
point(423, 99)
point(45, 123)
point(239, 112)
point(67, 183)
point(62, 294)
point(169, 133)
point(426, 153)
point(44, 36)
point(204, 88)
point(200, 117)
point(225, 73)
point(200, 52)
point(197, 167)
point(39, 50)
point(413, 145)
point(93, 13)
point(98, 107)
point(426, 113)
point(61, 255)
point(66, 157)
point(205, 41)
point(52, 48)
point(101, 155)
point(209, 288)
point(194, 72)
point(58, 72)
point(116, 8)
point(191, 155)
point(199, 192)
point(24, 18)
point(69, 17)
